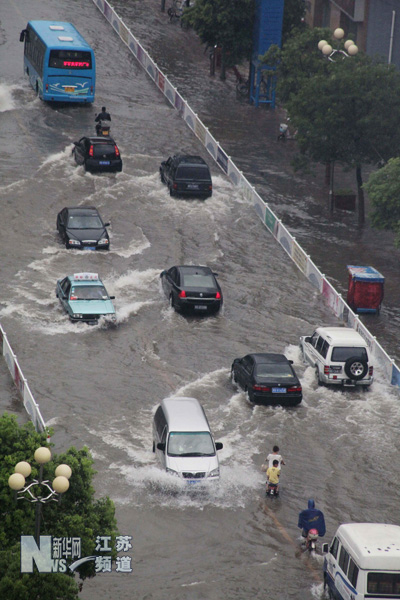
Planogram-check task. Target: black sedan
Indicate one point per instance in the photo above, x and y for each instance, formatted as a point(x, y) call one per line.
point(97, 154)
point(83, 228)
point(267, 379)
point(192, 288)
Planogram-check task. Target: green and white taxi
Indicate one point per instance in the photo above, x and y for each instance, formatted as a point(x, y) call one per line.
point(84, 297)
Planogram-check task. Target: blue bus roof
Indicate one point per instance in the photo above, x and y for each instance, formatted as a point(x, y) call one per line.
point(54, 37)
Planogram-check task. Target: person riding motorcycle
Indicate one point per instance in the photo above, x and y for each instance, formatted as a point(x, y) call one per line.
point(103, 116)
point(312, 518)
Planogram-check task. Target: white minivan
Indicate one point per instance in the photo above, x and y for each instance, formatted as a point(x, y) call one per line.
point(183, 442)
point(363, 561)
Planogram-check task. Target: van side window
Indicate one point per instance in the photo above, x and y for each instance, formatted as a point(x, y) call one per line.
point(320, 342)
point(344, 559)
point(334, 548)
point(160, 421)
point(324, 349)
point(353, 573)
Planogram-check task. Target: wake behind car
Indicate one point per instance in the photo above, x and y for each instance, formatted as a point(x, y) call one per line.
point(192, 288)
point(97, 154)
point(186, 176)
point(84, 297)
point(267, 379)
point(82, 228)
point(340, 356)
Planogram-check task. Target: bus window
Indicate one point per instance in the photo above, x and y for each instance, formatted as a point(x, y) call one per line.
point(67, 59)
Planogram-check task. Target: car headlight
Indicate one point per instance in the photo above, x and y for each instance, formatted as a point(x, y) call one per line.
point(103, 242)
point(77, 316)
point(172, 472)
point(74, 242)
point(214, 473)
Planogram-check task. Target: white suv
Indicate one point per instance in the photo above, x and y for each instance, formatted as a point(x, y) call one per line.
point(340, 356)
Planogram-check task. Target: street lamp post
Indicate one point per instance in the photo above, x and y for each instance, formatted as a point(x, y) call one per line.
point(39, 491)
point(349, 48)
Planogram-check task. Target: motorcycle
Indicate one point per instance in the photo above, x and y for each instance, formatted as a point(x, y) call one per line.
point(103, 128)
point(271, 490)
point(311, 540)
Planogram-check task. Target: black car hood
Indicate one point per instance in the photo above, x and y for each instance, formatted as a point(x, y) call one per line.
point(86, 234)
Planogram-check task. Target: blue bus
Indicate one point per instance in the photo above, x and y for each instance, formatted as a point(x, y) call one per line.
point(59, 62)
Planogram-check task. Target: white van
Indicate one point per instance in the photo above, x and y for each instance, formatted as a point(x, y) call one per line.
point(183, 442)
point(363, 561)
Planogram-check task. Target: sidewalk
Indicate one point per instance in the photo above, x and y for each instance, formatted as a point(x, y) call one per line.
point(249, 136)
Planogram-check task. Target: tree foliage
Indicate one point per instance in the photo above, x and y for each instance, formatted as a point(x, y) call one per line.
point(383, 188)
point(293, 18)
point(224, 23)
point(79, 514)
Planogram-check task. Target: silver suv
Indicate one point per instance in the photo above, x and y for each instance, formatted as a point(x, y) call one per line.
point(340, 356)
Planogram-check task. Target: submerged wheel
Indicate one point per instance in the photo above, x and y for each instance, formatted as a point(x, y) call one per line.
point(233, 376)
point(171, 301)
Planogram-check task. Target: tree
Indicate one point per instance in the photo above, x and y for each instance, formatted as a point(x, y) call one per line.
point(224, 23)
point(79, 515)
point(383, 188)
point(346, 110)
point(293, 18)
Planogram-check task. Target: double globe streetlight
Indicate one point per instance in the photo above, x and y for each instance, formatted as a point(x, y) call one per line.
point(45, 491)
point(350, 48)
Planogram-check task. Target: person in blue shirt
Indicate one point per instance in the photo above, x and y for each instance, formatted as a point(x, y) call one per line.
point(312, 518)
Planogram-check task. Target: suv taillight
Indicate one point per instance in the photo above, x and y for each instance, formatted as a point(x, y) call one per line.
point(116, 150)
point(371, 371)
point(91, 151)
point(326, 370)
point(218, 296)
point(182, 294)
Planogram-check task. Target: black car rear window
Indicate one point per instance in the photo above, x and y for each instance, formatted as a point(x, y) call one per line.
point(102, 149)
point(198, 280)
point(342, 354)
point(274, 371)
point(193, 173)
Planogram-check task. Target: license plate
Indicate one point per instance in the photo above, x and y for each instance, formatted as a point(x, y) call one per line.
point(69, 89)
point(104, 162)
point(90, 247)
point(278, 390)
point(193, 186)
point(200, 307)
point(193, 481)
point(335, 369)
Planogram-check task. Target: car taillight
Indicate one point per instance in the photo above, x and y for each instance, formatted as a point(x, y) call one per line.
point(182, 294)
point(116, 150)
point(371, 371)
point(261, 388)
point(47, 87)
point(326, 370)
point(91, 151)
point(218, 296)
point(210, 187)
point(294, 389)
point(175, 186)
point(91, 89)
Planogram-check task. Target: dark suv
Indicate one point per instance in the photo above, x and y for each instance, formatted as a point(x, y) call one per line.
point(186, 176)
point(97, 154)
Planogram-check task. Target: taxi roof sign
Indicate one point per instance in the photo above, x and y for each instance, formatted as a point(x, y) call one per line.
point(86, 277)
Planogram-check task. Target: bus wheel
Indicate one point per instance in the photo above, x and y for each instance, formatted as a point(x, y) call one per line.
point(37, 89)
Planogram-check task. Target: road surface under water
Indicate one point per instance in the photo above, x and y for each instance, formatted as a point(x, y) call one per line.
point(99, 386)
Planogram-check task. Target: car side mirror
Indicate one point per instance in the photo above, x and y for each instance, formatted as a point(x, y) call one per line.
point(307, 339)
point(112, 297)
point(325, 548)
point(215, 274)
point(219, 445)
point(161, 446)
point(76, 143)
point(24, 35)
point(107, 224)
point(163, 273)
point(290, 362)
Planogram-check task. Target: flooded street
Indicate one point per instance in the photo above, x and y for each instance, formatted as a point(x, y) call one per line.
point(99, 386)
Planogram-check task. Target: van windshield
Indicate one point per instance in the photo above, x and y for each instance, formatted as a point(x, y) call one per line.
point(192, 443)
point(384, 584)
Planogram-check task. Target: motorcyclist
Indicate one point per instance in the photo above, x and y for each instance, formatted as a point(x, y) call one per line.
point(103, 116)
point(311, 518)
